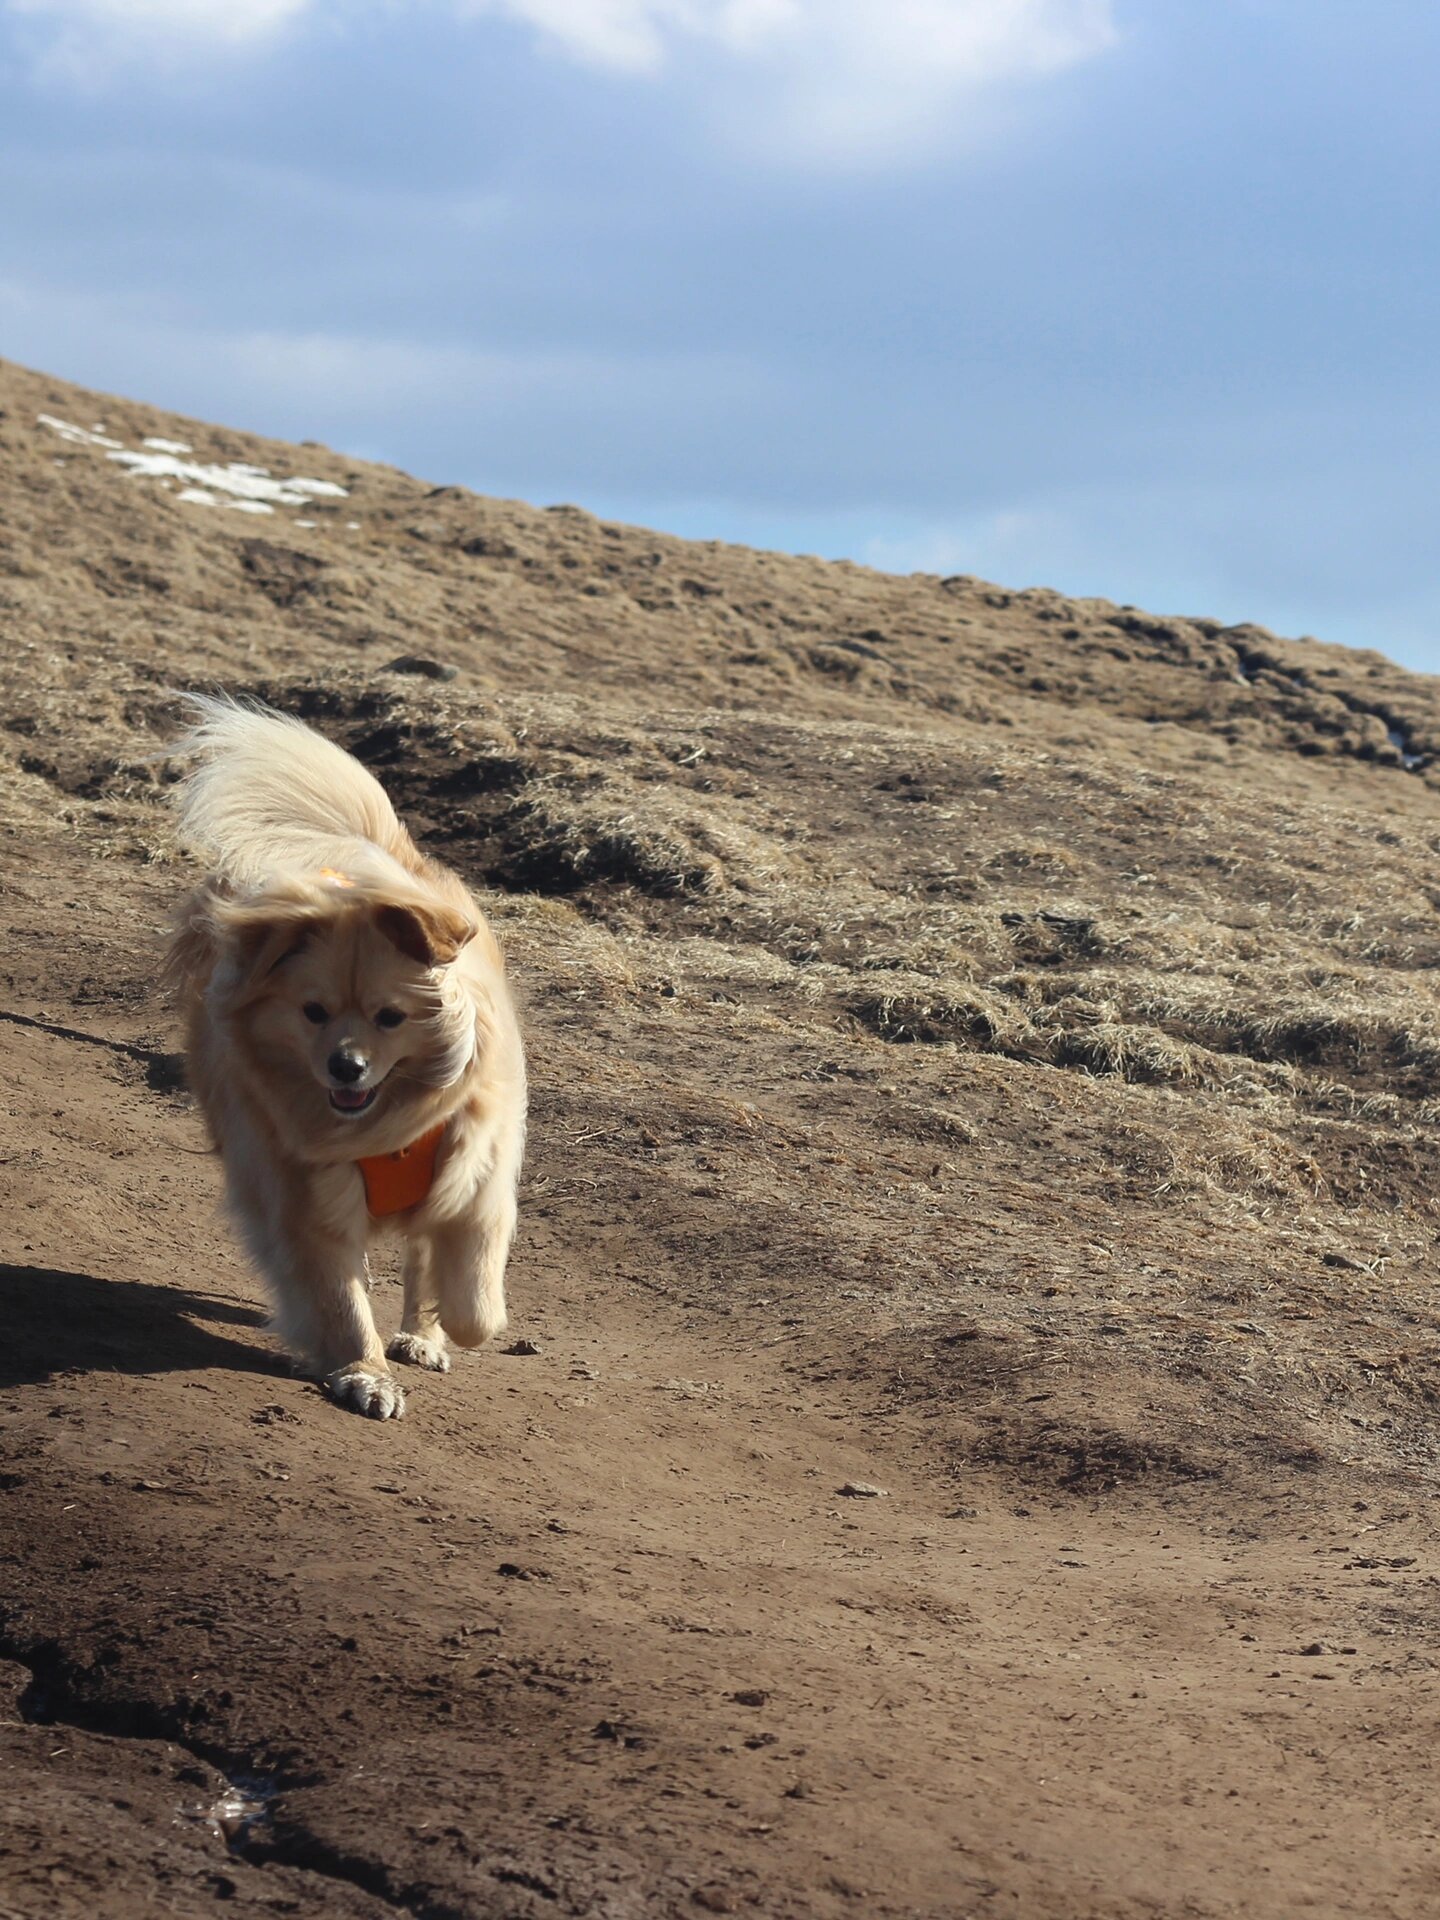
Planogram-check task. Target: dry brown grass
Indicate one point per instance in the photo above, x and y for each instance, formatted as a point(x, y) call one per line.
point(1137, 903)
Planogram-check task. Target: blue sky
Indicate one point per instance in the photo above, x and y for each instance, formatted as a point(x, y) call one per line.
point(1129, 297)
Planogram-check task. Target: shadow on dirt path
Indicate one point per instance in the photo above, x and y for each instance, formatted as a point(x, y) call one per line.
point(59, 1322)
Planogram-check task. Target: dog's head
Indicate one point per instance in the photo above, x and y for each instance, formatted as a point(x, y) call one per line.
point(343, 997)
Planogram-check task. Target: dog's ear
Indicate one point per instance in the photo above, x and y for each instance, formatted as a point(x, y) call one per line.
point(431, 934)
point(258, 936)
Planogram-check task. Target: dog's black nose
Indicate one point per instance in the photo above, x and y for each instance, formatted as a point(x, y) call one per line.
point(344, 1066)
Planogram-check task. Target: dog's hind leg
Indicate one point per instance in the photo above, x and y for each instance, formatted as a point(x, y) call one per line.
point(421, 1339)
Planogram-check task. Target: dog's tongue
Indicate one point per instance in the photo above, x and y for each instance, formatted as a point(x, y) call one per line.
point(351, 1098)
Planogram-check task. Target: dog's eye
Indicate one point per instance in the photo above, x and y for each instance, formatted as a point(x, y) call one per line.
point(315, 1013)
point(389, 1017)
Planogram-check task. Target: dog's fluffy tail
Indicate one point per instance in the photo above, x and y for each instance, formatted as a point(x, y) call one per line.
point(268, 794)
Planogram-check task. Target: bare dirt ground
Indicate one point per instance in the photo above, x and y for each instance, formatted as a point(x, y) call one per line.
point(985, 1052)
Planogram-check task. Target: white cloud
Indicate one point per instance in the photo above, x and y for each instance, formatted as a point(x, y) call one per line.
point(827, 81)
point(226, 22)
point(830, 80)
point(83, 41)
point(966, 40)
point(637, 35)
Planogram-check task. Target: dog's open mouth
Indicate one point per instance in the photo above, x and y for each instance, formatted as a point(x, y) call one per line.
point(352, 1100)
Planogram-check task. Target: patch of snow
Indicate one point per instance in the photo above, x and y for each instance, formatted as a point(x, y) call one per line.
point(1400, 740)
point(305, 523)
point(352, 526)
point(252, 489)
point(77, 436)
point(247, 482)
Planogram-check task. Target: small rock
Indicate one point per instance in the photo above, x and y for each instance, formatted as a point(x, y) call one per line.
point(620, 1735)
point(275, 1416)
point(523, 1349)
point(421, 664)
point(1314, 1647)
point(862, 1490)
point(714, 1899)
point(750, 1697)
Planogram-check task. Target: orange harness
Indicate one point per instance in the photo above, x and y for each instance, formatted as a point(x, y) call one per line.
point(395, 1182)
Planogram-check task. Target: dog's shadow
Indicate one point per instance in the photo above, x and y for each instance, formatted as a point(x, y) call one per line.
point(53, 1322)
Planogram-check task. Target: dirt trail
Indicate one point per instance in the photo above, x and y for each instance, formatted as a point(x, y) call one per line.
point(1037, 1131)
point(596, 1629)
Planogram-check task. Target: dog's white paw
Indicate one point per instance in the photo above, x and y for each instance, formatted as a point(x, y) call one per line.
point(416, 1351)
point(475, 1323)
point(373, 1394)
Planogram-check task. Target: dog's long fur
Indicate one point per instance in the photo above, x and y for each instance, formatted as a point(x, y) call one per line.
point(319, 902)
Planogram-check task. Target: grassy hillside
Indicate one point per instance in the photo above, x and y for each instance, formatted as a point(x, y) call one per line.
point(992, 1032)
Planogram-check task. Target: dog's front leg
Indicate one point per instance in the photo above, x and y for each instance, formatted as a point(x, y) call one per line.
point(341, 1334)
point(469, 1256)
point(309, 1243)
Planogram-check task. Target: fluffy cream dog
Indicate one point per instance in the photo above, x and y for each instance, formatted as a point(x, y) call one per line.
point(351, 1038)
